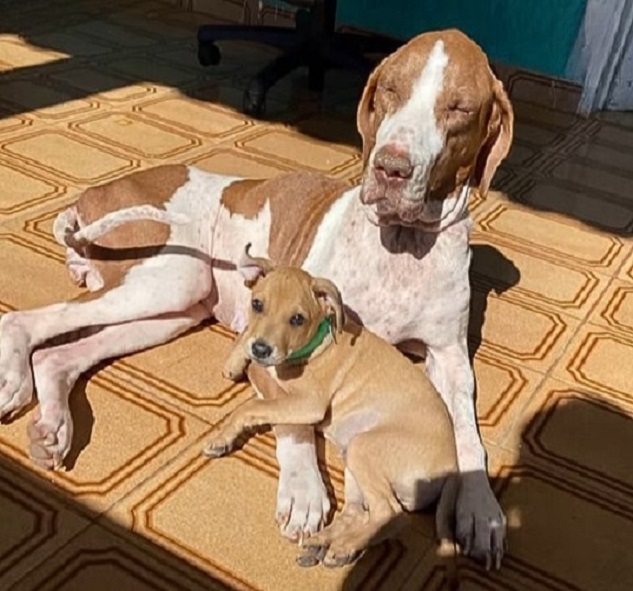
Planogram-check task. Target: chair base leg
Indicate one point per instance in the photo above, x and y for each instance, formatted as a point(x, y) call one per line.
point(258, 87)
point(319, 51)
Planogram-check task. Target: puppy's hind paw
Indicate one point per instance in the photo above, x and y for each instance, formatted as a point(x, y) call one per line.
point(336, 558)
point(311, 556)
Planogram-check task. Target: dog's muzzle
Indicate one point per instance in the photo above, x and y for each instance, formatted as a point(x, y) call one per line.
point(392, 166)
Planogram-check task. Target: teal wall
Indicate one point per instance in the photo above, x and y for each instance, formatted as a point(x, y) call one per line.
point(535, 35)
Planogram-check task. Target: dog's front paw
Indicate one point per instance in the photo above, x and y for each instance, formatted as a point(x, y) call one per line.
point(302, 503)
point(481, 524)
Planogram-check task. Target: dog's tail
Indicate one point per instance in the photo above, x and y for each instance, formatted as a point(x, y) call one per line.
point(448, 550)
point(68, 233)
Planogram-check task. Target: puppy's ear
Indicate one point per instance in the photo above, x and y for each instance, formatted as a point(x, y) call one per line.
point(325, 289)
point(252, 268)
point(498, 139)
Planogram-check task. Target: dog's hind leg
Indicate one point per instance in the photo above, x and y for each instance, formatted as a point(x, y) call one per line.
point(56, 369)
point(159, 285)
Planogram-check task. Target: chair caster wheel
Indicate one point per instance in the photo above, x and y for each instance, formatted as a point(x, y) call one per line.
point(209, 54)
point(254, 99)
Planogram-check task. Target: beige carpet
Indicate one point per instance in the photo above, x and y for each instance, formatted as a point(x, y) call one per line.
point(91, 90)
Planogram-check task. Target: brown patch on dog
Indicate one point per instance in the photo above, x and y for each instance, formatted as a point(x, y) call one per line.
point(240, 199)
point(298, 201)
point(154, 186)
point(297, 212)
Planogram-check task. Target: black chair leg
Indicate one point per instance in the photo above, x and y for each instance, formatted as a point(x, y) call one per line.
point(281, 37)
point(366, 43)
point(313, 43)
point(255, 94)
point(316, 70)
point(337, 57)
point(209, 53)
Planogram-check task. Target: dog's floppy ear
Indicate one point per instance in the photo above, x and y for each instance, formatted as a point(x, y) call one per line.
point(498, 139)
point(366, 119)
point(252, 268)
point(324, 288)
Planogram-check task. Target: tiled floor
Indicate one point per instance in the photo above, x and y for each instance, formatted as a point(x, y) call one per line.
point(90, 90)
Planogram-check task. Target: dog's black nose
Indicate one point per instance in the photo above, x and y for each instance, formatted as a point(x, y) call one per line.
point(261, 350)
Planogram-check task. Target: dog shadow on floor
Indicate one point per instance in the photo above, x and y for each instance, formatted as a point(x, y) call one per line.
point(84, 419)
point(568, 498)
point(491, 272)
point(67, 549)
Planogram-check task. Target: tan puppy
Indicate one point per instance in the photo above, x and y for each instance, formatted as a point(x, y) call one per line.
point(382, 413)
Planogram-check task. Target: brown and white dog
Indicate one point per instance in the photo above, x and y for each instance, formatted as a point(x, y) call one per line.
point(435, 123)
point(382, 413)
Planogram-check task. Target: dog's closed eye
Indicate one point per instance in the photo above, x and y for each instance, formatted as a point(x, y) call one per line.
point(460, 109)
point(297, 320)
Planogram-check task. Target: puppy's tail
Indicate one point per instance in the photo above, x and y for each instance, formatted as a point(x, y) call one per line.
point(68, 233)
point(445, 529)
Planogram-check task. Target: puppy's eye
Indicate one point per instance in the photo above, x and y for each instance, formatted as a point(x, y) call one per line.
point(258, 306)
point(297, 320)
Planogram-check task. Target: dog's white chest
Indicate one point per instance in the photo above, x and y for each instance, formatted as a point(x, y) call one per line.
point(396, 294)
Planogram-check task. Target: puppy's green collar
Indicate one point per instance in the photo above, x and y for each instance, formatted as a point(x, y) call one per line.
point(319, 336)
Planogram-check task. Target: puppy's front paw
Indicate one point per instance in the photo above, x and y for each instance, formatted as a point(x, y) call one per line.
point(217, 448)
point(219, 445)
point(235, 368)
point(232, 373)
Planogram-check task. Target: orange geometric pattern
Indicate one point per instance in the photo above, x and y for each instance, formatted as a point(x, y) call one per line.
point(93, 90)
